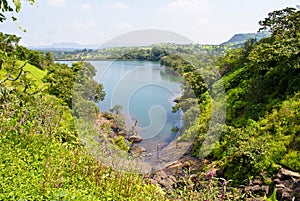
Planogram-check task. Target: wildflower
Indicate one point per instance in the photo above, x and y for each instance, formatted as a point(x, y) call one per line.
point(22, 120)
point(211, 174)
point(224, 183)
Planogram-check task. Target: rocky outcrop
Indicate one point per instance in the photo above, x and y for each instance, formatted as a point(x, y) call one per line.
point(285, 182)
point(122, 133)
point(257, 188)
point(171, 175)
point(287, 185)
point(136, 150)
point(134, 138)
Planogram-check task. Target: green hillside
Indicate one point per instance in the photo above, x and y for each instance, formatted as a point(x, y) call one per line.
point(262, 99)
point(238, 40)
point(42, 155)
point(250, 151)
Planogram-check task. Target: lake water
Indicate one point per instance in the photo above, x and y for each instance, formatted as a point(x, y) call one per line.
point(146, 91)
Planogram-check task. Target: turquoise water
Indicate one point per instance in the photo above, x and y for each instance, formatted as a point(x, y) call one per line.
point(146, 91)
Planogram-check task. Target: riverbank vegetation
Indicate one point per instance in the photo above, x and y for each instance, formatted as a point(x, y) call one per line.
point(44, 155)
point(262, 87)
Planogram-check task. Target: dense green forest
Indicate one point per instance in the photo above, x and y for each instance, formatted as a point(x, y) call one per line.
point(262, 83)
point(45, 156)
point(145, 53)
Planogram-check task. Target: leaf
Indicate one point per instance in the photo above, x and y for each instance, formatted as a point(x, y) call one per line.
point(18, 5)
point(2, 17)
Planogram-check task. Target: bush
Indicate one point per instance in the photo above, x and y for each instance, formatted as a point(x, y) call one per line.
point(292, 160)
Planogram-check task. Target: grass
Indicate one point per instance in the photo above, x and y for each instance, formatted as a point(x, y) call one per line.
point(34, 73)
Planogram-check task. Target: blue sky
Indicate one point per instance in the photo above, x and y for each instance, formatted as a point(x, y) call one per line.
point(96, 21)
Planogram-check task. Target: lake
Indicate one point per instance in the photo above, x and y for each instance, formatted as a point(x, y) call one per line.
point(146, 91)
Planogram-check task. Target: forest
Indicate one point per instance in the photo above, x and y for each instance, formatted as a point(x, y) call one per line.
point(254, 151)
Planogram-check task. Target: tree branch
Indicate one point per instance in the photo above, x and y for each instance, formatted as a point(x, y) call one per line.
point(10, 78)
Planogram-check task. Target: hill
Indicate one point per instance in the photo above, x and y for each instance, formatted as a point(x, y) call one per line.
point(238, 40)
point(64, 46)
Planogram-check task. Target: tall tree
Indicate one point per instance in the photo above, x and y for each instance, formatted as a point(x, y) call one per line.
point(13, 6)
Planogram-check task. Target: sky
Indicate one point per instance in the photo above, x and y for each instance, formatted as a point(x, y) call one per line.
point(97, 21)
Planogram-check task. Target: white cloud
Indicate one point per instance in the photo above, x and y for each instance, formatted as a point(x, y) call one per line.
point(56, 2)
point(86, 6)
point(191, 7)
point(120, 5)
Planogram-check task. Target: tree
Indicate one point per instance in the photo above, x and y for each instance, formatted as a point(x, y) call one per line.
point(61, 79)
point(13, 6)
point(8, 46)
point(119, 118)
point(282, 23)
point(283, 45)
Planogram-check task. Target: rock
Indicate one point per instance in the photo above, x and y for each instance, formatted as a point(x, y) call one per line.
point(253, 189)
point(279, 186)
point(279, 193)
point(148, 154)
point(114, 127)
point(157, 178)
point(121, 133)
point(286, 196)
point(162, 174)
point(257, 182)
point(287, 185)
point(266, 189)
point(135, 149)
point(173, 178)
point(278, 176)
point(289, 173)
point(256, 188)
point(153, 181)
point(175, 167)
point(167, 182)
point(159, 175)
point(297, 184)
point(276, 181)
point(134, 138)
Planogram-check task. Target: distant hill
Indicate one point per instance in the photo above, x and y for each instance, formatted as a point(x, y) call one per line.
point(239, 39)
point(63, 46)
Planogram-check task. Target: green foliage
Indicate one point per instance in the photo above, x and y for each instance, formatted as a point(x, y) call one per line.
point(39, 162)
point(263, 145)
point(61, 80)
point(120, 142)
point(238, 40)
point(291, 160)
point(203, 186)
point(262, 87)
point(155, 52)
point(8, 44)
point(42, 156)
point(75, 86)
point(118, 118)
point(13, 6)
point(282, 23)
point(272, 197)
